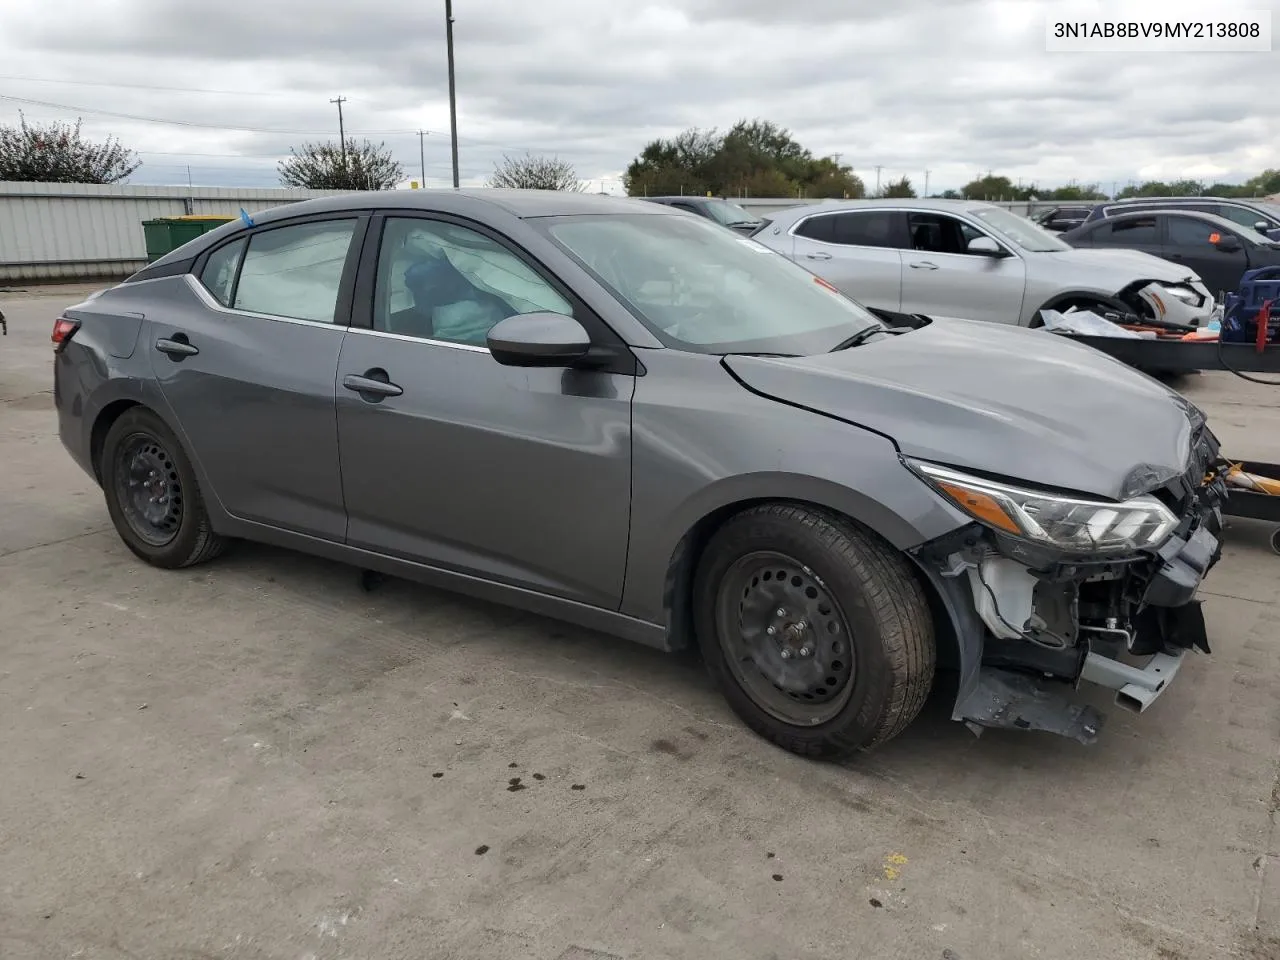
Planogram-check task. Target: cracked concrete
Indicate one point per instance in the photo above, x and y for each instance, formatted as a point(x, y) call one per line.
point(255, 758)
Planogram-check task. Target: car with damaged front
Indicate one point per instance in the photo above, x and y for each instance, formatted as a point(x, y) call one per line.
point(610, 412)
point(976, 260)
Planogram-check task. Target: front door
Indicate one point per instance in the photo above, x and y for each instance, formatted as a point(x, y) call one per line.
point(941, 279)
point(1193, 242)
point(449, 458)
point(246, 361)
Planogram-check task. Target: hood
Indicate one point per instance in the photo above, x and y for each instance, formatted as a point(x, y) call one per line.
point(1021, 404)
point(1132, 264)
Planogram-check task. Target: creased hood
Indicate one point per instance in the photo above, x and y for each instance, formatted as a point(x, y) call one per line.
point(1142, 266)
point(1022, 404)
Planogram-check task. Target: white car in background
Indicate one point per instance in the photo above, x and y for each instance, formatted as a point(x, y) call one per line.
point(960, 258)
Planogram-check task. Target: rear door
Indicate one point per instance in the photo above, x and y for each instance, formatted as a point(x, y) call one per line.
point(941, 278)
point(518, 475)
point(1193, 242)
point(858, 252)
point(249, 372)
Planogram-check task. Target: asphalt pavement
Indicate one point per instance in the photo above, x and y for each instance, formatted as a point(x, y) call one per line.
point(256, 758)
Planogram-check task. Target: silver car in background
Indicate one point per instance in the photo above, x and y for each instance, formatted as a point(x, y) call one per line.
point(977, 261)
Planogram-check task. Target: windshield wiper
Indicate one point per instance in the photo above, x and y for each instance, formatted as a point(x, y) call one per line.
point(860, 337)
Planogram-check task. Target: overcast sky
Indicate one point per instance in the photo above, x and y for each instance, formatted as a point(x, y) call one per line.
point(957, 87)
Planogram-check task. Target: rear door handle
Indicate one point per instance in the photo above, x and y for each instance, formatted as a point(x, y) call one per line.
point(817, 256)
point(373, 385)
point(177, 346)
point(923, 265)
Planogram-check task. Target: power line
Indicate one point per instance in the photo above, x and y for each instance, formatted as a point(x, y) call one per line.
point(147, 86)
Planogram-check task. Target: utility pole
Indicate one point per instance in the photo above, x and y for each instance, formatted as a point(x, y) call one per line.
point(878, 169)
point(342, 133)
point(926, 182)
point(837, 158)
point(422, 155)
point(453, 101)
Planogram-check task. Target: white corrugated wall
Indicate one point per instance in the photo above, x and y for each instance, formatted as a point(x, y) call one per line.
point(52, 231)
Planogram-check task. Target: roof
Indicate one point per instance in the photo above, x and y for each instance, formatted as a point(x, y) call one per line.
point(1241, 201)
point(519, 203)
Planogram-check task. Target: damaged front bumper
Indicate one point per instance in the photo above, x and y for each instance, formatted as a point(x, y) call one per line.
point(1031, 632)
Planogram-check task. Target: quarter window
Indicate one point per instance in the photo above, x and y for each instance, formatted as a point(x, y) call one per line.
point(219, 273)
point(295, 271)
point(441, 281)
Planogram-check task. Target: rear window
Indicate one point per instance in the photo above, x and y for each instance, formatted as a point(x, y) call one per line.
point(868, 228)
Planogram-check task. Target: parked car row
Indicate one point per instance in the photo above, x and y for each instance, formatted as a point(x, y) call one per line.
point(623, 415)
point(1260, 217)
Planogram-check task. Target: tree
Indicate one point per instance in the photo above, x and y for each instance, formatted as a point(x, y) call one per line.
point(535, 173)
point(993, 187)
point(324, 166)
point(899, 188)
point(1073, 191)
point(59, 153)
point(754, 158)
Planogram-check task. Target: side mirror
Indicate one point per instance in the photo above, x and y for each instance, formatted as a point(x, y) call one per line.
point(1227, 244)
point(1262, 227)
point(538, 340)
point(985, 246)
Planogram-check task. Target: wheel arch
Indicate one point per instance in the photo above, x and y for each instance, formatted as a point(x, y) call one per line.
point(102, 424)
point(687, 555)
point(1067, 297)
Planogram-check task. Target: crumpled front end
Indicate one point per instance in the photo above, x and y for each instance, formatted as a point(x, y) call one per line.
point(1049, 593)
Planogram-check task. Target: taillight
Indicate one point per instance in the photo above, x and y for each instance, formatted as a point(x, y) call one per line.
point(63, 331)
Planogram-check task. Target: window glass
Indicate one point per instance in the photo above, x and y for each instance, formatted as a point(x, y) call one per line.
point(295, 271)
point(701, 288)
point(1241, 215)
point(441, 281)
point(870, 228)
point(730, 214)
point(818, 228)
point(219, 274)
point(1186, 232)
point(1128, 231)
point(938, 233)
point(1019, 231)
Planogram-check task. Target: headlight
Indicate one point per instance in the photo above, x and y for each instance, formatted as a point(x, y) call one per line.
point(1071, 525)
point(1183, 293)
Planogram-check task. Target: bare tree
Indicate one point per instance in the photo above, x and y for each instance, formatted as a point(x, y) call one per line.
point(59, 153)
point(325, 166)
point(535, 173)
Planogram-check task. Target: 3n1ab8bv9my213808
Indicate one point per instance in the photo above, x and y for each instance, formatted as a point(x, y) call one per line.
point(614, 413)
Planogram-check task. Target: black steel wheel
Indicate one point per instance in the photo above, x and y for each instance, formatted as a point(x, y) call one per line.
point(152, 493)
point(817, 632)
point(149, 488)
point(785, 638)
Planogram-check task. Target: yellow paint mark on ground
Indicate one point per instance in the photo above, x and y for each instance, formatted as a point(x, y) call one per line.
point(893, 864)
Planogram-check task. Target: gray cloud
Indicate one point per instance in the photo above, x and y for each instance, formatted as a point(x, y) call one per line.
point(955, 87)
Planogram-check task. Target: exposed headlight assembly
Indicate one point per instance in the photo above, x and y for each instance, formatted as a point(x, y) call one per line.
point(1071, 525)
point(1184, 293)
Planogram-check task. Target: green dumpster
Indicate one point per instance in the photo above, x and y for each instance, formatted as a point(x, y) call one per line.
point(169, 233)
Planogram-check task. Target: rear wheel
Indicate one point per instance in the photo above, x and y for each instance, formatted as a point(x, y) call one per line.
point(816, 631)
point(152, 494)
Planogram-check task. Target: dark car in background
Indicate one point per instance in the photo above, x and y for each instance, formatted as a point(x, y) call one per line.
point(724, 212)
point(1219, 250)
point(1059, 219)
point(1263, 218)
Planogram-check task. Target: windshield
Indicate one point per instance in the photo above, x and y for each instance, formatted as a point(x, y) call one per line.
point(729, 214)
point(699, 287)
point(1020, 231)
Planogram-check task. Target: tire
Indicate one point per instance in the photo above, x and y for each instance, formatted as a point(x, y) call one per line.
point(865, 623)
point(152, 493)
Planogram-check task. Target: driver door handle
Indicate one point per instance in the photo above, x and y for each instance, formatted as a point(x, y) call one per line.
point(817, 256)
point(922, 265)
point(373, 385)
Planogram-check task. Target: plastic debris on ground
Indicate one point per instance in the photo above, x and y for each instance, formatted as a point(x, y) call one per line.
point(1086, 323)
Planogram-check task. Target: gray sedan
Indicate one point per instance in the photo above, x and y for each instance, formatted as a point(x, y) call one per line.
point(621, 415)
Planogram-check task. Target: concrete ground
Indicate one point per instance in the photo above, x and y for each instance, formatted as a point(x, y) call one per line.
point(256, 759)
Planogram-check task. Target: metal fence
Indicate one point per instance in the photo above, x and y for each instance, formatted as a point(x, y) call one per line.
point(81, 231)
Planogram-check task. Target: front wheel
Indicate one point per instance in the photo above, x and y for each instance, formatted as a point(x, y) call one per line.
point(817, 632)
point(152, 494)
